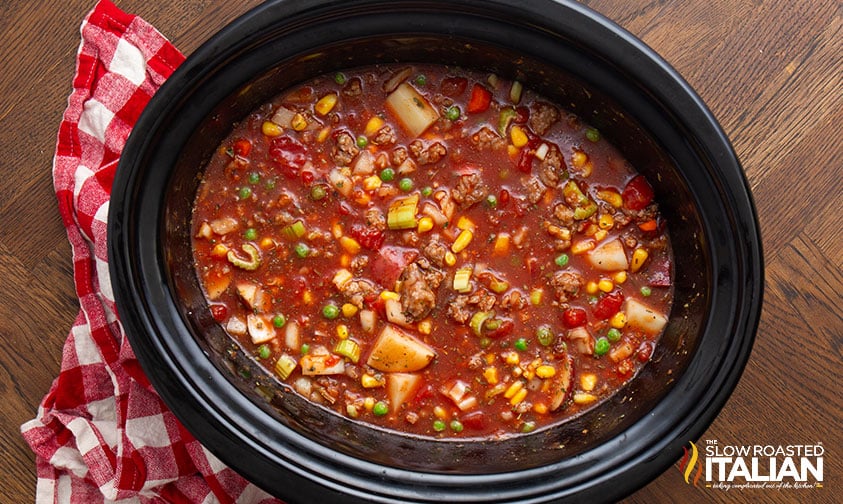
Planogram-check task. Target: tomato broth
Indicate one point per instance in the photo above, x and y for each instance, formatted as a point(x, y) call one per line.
point(433, 250)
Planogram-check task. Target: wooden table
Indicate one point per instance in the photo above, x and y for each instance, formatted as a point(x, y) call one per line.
point(770, 71)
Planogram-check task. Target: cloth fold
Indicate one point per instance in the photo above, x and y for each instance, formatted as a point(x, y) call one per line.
point(102, 434)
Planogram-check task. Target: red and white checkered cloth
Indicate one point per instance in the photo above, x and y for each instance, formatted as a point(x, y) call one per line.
point(102, 434)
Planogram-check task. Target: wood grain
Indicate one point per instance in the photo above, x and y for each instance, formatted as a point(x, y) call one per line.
point(770, 71)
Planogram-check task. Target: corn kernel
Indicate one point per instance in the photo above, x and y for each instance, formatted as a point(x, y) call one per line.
point(425, 326)
point(373, 126)
point(518, 137)
point(588, 381)
point(387, 295)
point(369, 403)
point(336, 230)
point(450, 258)
point(606, 221)
point(601, 234)
point(518, 397)
point(440, 413)
point(219, 250)
point(591, 287)
point(582, 246)
point(582, 398)
point(271, 129)
point(267, 243)
point(345, 261)
point(349, 310)
point(536, 296)
point(513, 389)
point(349, 244)
point(341, 277)
point(619, 277)
point(369, 381)
point(465, 223)
point(323, 134)
point(425, 225)
point(512, 358)
point(307, 297)
point(545, 371)
point(342, 331)
point(639, 255)
point(298, 122)
point(618, 320)
point(579, 158)
point(605, 285)
point(540, 408)
point(528, 374)
point(491, 375)
point(326, 104)
point(372, 182)
point(611, 197)
point(512, 150)
point(462, 241)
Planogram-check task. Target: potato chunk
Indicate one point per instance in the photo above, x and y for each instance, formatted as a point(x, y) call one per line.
point(411, 109)
point(643, 317)
point(398, 351)
point(609, 257)
point(400, 388)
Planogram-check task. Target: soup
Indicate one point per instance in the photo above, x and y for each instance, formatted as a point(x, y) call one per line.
point(433, 250)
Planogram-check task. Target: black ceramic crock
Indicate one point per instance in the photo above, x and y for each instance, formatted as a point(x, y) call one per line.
point(303, 453)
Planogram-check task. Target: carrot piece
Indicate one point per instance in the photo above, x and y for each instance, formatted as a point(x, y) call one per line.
point(649, 225)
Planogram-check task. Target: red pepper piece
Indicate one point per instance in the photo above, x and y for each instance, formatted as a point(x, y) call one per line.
point(219, 312)
point(476, 420)
point(480, 99)
point(242, 147)
point(608, 305)
point(367, 236)
point(637, 194)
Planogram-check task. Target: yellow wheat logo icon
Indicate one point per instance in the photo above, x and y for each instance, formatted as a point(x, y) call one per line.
point(689, 462)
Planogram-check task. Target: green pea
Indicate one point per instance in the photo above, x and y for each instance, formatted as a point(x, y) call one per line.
point(270, 184)
point(592, 134)
point(438, 425)
point(362, 141)
point(245, 192)
point(520, 344)
point(380, 408)
point(453, 113)
point(613, 335)
point(456, 426)
point(421, 79)
point(302, 250)
point(528, 426)
point(318, 192)
point(645, 291)
point(545, 336)
point(304, 348)
point(601, 347)
point(279, 320)
point(340, 78)
point(250, 234)
point(491, 201)
point(561, 260)
point(405, 184)
point(427, 191)
point(387, 174)
point(330, 311)
point(264, 352)
point(254, 178)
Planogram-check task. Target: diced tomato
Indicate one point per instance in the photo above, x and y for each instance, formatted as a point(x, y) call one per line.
point(219, 312)
point(475, 420)
point(574, 317)
point(525, 161)
point(242, 147)
point(625, 368)
point(659, 273)
point(299, 284)
point(289, 154)
point(503, 197)
point(424, 393)
point(480, 99)
point(608, 305)
point(367, 236)
point(307, 177)
point(453, 86)
point(645, 350)
point(637, 194)
point(522, 115)
point(386, 266)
